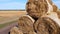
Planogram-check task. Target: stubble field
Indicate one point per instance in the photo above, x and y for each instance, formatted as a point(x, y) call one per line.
point(9, 17)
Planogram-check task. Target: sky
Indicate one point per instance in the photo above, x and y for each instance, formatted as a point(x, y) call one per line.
point(18, 4)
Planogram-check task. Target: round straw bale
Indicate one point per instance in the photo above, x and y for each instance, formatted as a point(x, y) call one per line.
point(25, 23)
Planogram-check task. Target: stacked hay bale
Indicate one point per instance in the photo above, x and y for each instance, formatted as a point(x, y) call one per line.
point(48, 24)
point(36, 8)
point(15, 30)
point(42, 18)
point(26, 24)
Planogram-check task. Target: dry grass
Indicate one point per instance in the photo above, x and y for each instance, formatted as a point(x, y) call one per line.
point(12, 13)
point(9, 17)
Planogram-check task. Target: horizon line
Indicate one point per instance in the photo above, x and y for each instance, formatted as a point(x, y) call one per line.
point(13, 10)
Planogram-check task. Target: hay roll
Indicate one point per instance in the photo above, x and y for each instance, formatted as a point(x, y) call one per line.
point(46, 26)
point(40, 27)
point(36, 8)
point(55, 8)
point(48, 23)
point(25, 24)
point(15, 30)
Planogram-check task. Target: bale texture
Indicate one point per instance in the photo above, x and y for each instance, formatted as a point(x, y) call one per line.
point(15, 30)
point(46, 25)
point(26, 24)
point(40, 27)
point(36, 8)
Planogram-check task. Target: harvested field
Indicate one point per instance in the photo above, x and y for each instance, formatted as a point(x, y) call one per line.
point(12, 13)
point(8, 19)
point(10, 16)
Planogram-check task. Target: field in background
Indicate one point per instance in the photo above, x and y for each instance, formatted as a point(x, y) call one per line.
point(11, 13)
point(9, 16)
